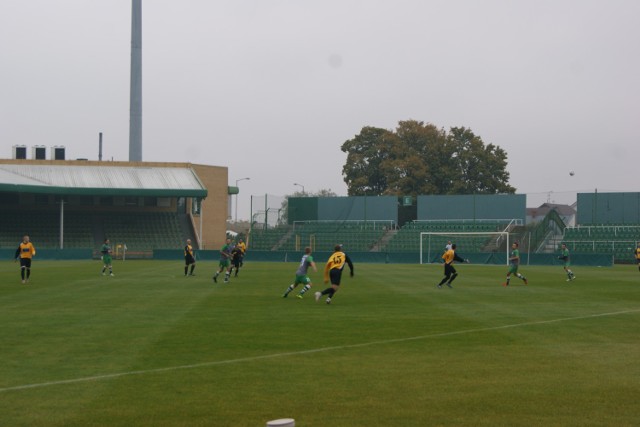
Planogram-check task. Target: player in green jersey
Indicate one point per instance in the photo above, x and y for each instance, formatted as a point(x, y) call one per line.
point(225, 262)
point(514, 262)
point(105, 250)
point(301, 274)
point(564, 256)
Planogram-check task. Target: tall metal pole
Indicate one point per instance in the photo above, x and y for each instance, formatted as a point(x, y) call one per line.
point(237, 181)
point(100, 147)
point(135, 99)
point(61, 223)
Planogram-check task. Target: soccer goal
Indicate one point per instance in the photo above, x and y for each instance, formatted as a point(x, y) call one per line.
point(477, 245)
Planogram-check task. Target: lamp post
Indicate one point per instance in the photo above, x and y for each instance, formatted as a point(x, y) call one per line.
point(237, 181)
point(300, 185)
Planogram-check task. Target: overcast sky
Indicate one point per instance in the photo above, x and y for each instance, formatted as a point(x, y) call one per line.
point(272, 89)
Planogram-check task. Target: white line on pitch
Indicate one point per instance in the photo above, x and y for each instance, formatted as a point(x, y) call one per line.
point(297, 353)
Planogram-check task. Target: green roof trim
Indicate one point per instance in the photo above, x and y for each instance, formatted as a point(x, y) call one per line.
point(101, 180)
point(88, 191)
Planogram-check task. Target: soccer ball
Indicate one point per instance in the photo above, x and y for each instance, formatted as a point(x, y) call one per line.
point(572, 173)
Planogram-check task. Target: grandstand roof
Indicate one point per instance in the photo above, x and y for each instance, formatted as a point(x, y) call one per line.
point(101, 180)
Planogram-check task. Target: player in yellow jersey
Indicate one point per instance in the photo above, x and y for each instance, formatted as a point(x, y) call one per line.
point(25, 253)
point(637, 254)
point(243, 250)
point(333, 272)
point(450, 272)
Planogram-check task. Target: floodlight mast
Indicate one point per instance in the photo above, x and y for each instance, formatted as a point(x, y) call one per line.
point(237, 181)
point(300, 185)
point(135, 98)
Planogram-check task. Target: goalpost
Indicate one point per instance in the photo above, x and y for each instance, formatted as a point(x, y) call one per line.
point(432, 244)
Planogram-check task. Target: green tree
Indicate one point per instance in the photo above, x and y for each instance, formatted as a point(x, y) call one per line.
point(420, 158)
point(482, 169)
point(368, 152)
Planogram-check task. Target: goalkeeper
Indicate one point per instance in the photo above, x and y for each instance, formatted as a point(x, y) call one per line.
point(450, 272)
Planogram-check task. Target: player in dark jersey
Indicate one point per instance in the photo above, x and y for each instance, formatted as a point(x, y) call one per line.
point(189, 259)
point(236, 260)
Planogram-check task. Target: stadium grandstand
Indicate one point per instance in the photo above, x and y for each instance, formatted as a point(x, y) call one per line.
point(140, 206)
point(69, 207)
point(618, 239)
point(388, 230)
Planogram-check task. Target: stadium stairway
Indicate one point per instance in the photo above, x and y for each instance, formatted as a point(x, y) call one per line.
point(186, 229)
point(382, 243)
point(285, 238)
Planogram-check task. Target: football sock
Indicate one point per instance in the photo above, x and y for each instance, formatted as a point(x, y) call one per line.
point(28, 272)
point(289, 289)
point(22, 273)
point(305, 289)
point(453, 277)
point(193, 267)
point(508, 278)
point(186, 269)
point(443, 280)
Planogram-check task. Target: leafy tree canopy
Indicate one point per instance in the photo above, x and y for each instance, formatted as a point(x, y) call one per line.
point(419, 158)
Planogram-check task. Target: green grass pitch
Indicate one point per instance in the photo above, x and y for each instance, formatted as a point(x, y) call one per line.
point(151, 347)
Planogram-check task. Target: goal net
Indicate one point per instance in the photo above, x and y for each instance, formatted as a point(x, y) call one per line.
point(480, 247)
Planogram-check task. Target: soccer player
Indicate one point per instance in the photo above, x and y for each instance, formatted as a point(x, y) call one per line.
point(243, 249)
point(450, 272)
point(564, 256)
point(236, 259)
point(106, 257)
point(301, 274)
point(25, 252)
point(637, 254)
point(189, 259)
point(225, 262)
point(514, 262)
point(333, 272)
